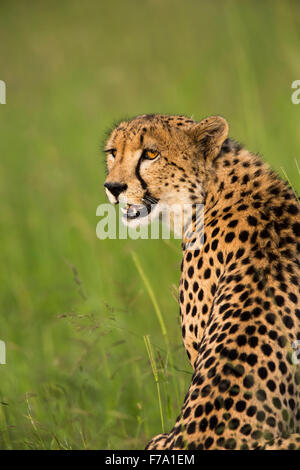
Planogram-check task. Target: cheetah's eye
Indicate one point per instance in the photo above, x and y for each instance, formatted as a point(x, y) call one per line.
point(150, 154)
point(111, 152)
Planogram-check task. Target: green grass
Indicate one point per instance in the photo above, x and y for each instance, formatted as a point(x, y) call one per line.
point(81, 317)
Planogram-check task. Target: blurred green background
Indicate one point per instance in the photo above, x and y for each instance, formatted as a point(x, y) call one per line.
point(74, 309)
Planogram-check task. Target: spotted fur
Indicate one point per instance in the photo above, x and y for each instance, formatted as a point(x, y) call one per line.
point(239, 292)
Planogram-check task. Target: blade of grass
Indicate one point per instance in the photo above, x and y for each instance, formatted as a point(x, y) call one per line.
point(287, 178)
point(152, 297)
point(159, 316)
point(156, 378)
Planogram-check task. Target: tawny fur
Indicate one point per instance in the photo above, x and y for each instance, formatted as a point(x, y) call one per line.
point(239, 292)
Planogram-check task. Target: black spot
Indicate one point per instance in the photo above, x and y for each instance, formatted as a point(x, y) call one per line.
point(195, 286)
point(220, 257)
point(233, 423)
point(194, 311)
point(190, 271)
point(292, 209)
point(233, 223)
point(242, 207)
point(244, 235)
point(207, 273)
point(248, 381)
point(191, 427)
point(203, 424)
point(246, 429)
point(266, 349)
point(214, 244)
point(208, 442)
point(241, 340)
point(261, 395)
point(262, 372)
point(240, 406)
point(198, 411)
point(293, 298)
point(187, 413)
point(296, 229)
point(288, 321)
point(283, 367)
point(271, 385)
point(252, 221)
point(239, 253)
point(261, 416)
point(279, 300)
point(252, 359)
point(229, 237)
point(251, 411)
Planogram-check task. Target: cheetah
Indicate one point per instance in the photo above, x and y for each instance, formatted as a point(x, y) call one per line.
point(239, 290)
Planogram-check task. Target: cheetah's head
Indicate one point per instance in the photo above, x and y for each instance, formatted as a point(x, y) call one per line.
point(156, 160)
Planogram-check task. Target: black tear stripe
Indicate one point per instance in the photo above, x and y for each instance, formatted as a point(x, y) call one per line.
point(137, 173)
point(147, 198)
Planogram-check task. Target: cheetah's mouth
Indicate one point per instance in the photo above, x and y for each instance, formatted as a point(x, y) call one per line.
point(135, 211)
point(139, 211)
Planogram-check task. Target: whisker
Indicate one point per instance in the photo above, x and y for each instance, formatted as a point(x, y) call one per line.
point(150, 199)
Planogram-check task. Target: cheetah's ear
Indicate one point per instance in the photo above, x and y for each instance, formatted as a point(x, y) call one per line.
point(209, 135)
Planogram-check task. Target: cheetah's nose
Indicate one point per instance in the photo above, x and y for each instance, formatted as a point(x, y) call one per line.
point(116, 188)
